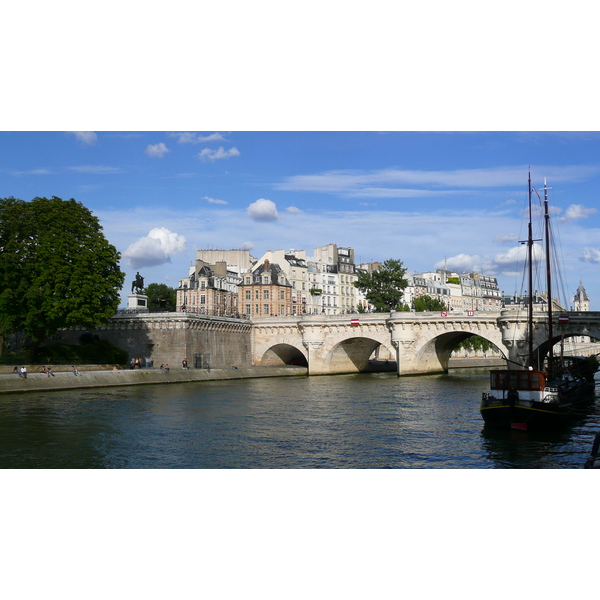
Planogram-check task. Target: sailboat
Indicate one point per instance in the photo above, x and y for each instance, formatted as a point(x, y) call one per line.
point(533, 395)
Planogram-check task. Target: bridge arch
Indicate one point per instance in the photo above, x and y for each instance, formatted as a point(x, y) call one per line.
point(283, 354)
point(360, 354)
point(435, 353)
point(541, 351)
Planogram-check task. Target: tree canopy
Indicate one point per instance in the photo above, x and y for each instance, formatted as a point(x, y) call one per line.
point(424, 303)
point(161, 297)
point(56, 268)
point(384, 287)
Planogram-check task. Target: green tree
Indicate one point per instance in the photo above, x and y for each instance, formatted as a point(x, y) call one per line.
point(56, 268)
point(384, 287)
point(423, 303)
point(161, 297)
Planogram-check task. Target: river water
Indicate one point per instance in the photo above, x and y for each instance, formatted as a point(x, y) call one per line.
point(363, 421)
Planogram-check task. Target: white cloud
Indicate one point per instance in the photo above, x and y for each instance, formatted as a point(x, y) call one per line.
point(263, 210)
point(214, 200)
point(34, 172)
point(577, 211)
point(248, 245)
point(156, 150)
point(208, 154)
point(460, 263)
point(385, 182)
point(591, 255)
point(293, 210)
point(194, 138)
point(515, 258)
point(86, 137)
point(511, 238)
point(96, 169)
point(155, 249)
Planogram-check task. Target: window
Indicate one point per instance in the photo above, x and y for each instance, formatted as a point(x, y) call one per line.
point(256, 294)
point(265, 294)
point(282, 294)
point(203, 299)
point(265, 309)
point(248, 294)
point(247, 309)
point(282, 309)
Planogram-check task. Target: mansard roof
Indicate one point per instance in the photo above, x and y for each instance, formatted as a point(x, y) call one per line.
point(581, 294)
point(276, 273)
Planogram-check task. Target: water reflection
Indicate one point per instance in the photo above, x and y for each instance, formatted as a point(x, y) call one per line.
point(345, 421)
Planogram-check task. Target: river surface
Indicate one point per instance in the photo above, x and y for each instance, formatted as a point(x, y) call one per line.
point(363, 421)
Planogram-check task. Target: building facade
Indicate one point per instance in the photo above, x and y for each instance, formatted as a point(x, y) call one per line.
point(265, 292)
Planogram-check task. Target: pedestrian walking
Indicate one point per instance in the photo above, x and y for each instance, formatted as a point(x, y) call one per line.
point(184, 363)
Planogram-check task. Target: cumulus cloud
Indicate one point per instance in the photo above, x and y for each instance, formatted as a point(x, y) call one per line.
point(515, 258)
point(460, 263)
point(591, 255)
point(293, 210)
point(214, 200)
point(263, 210)
point(156, 150)
point(86, 137)
point(577, 211)
point(209, 154)
point(194, 138)
point(154, 249)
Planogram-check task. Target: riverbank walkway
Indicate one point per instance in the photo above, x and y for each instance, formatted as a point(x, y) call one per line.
point(91, 376)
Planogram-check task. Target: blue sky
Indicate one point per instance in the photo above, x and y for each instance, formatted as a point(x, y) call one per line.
point(422, 197)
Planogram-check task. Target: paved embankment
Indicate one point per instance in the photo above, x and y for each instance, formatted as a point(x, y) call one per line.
point(38, 382)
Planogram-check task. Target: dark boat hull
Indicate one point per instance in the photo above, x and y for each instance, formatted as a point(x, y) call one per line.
point(529, 415)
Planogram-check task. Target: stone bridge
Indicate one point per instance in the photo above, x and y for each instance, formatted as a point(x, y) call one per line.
point(414, 343)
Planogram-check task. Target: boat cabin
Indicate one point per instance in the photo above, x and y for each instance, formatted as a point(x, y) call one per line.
point(517, 380)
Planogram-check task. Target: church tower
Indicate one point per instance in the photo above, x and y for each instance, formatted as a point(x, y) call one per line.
point(581, 301)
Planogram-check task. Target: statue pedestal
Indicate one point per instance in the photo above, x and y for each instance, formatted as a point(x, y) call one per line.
point(138, 302)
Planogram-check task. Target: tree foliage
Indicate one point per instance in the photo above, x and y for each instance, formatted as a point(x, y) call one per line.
point(56, 268)
point(161, 297)
point(424, 303)
point(384, 287)
point(476, 343)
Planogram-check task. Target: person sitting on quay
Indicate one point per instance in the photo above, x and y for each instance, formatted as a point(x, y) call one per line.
point(24, 372)
point(49, 372)
point(165, 368)
point(16, 370)
point(75, 370)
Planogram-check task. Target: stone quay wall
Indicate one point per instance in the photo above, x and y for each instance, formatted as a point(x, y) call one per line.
point(65, 379)
point(168, 338)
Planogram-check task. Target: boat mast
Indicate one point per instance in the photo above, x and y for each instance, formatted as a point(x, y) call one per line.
point(530, 261)
point(548, 277)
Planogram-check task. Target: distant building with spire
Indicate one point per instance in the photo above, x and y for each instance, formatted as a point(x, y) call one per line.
point(581, 301)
